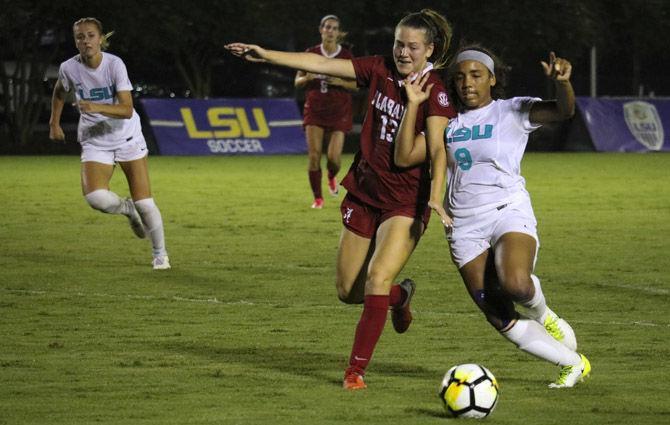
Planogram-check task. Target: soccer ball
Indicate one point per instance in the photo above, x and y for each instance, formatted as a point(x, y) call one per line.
point(469, 391)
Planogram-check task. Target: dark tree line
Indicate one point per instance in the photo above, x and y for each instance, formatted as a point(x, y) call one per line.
point(173, 46)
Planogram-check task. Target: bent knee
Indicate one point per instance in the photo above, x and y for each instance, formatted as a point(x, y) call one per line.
point(349, 293)
point(378, 283)
point(500, 322)
point(518, 286)
point(102, 200)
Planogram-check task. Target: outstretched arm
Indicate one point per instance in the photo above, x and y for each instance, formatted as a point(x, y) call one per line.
point(309, 62)
point(345, 83)
point(558, 70)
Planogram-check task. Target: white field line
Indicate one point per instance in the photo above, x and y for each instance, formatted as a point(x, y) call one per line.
point(647, 289)
point(334, 306)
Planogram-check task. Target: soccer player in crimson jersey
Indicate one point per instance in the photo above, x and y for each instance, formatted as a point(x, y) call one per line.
point(327, 110)
point(388, 205)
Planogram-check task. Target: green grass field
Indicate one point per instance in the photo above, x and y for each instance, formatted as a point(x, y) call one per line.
point(246, 328)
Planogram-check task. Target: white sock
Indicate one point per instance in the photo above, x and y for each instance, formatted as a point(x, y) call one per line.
point(153, 222)
point(107, 202)
point(536, 307)
point(532, 338)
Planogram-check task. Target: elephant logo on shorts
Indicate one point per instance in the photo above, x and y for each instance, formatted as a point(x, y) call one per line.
point(347, 215)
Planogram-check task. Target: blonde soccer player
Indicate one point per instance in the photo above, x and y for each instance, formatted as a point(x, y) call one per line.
point(109, 132)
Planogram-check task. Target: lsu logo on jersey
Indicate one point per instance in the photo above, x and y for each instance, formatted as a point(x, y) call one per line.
point(464, 134)
point(97, 94)
point(462, 155)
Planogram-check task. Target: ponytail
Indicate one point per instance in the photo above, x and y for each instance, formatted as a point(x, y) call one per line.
point(438, 32)
point(104, 37)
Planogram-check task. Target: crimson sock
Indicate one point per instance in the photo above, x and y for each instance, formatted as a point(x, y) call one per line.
point(315, 182)
point(397, 296)
point(332, 173)
point(368, 331)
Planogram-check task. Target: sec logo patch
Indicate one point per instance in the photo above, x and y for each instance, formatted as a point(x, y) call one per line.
point(442, 99)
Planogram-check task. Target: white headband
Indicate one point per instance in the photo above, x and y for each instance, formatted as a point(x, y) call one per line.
point(325, 18)
point(476, 55)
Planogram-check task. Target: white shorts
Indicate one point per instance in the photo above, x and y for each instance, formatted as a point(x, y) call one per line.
point(130, 150)
point(475, 234)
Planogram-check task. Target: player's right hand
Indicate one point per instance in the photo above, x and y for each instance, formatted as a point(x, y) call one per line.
point(56, 133)
point(447, 221)
point(416, 89)
point(249, 52)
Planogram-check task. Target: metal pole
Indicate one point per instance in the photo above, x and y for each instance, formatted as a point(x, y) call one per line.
point(593, 71)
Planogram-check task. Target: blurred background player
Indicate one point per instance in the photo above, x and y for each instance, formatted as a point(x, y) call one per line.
point(109, 132)
point(386, 208)
point(327, 110)
point(491, 226)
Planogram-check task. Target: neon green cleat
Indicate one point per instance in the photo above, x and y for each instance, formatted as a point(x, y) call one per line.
point(569, 376)
point(560, 330)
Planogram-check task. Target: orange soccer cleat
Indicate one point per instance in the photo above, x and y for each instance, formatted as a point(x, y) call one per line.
point(353, 381)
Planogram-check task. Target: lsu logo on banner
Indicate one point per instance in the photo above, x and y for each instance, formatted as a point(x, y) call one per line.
point(230, 130)
point(644, 124)
point(227, 123)
point(226, 126)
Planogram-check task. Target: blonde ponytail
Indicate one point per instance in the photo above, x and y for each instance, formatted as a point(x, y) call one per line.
point(104, 37)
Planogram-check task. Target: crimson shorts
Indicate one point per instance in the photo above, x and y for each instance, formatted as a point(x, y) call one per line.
point(364, 219)
point(332, 122)
point(344, 125)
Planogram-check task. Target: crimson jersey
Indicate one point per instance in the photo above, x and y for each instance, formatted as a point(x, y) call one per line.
point(326, 105)
point(373, 176)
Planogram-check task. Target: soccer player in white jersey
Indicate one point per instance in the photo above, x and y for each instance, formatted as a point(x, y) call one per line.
point(489, 219)
point(109, 132)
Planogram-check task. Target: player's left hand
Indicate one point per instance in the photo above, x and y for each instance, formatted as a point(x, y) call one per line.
point(558, 69)
point(86, 107)
point(249, 52)
point(416, 89)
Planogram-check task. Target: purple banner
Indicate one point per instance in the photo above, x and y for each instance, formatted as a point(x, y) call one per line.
point(627, 125)
point(226, 126)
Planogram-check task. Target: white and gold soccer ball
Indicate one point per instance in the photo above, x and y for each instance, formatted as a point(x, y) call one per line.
point(469, 391)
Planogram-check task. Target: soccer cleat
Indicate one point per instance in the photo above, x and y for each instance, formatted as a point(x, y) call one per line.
point(560, 330)
point(401, 316)
point(135, 220)
point(353, 381)
point(332, 186)
point(161, 262)
point(569, 376)
point(318, 204)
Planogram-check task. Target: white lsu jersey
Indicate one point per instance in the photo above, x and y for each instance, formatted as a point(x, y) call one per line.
point(100, 85)
point(484, 148)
